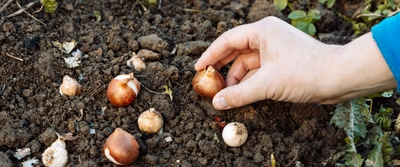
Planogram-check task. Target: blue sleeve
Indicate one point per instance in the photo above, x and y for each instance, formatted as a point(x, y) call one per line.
point(387, 36)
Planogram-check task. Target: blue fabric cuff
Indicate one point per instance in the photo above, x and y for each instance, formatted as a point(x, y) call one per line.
point(387, 36)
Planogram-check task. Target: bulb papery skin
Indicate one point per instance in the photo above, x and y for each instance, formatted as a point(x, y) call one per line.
point(121, 147)
point(56, 155)
point(207, 83)
point(150, 121)
point(136, 62)
point(70, 87)
point(123, 90)
point(234, 134)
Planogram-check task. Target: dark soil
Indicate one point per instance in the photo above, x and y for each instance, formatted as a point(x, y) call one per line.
point(32, 109)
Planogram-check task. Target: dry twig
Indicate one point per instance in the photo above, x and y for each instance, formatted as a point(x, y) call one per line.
point(14, 57)
point(5, 5)
point(97, 90)
point(22, 9)
point(33, 17)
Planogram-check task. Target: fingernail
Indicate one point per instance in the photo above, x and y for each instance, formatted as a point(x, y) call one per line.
point(220, 103)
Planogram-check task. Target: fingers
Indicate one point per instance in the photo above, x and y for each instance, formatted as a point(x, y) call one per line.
point(251, 90)
point(240, 68)
point(226, 60)
point(228, 46)
point(249, 74)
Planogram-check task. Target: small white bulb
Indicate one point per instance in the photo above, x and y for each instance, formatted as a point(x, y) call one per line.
point(70, 87)
point(56, 155)
point(150, 121)
point(234, 134)
point(136, 62)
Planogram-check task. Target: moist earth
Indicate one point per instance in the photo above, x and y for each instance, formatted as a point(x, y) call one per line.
point(169, 37)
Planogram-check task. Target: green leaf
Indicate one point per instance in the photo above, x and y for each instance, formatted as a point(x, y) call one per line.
point(392, 4)
point(280, 4)
point(330, 3)
point(358, 28)
point(297, 14)
point(97, 14)
point(388, 93)
point(383, 117)
point(305, 26)
point(311, 30)
point(314, 14)
point(215, 138)
point(150, 2)
point(387, 148)
point(381, 153)
point(273, 161)
point(375, 157)
point(351, 116)
point(382, 7)
point(378, 14)
point(353, 159)
point(49, 5)
point(351, 144)
point(168, 91)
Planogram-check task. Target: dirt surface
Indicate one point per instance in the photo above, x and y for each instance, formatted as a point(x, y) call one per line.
point(170, 39)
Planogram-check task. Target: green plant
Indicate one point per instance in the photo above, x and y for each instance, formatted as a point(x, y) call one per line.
point(371, 16)
point(49, 5)
point(359, 27)
point(280, 4)
point(384, 8)
point(305, 21)
point(329, 3)
point(366, 132)
point(150, 2)
point(382, 118)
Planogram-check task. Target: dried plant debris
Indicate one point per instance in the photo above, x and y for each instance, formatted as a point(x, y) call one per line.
point(66, 47)
point(74, 60)
point(21, 153)
point(30, 162)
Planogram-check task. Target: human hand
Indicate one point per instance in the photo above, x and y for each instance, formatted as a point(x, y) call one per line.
point(273, 60)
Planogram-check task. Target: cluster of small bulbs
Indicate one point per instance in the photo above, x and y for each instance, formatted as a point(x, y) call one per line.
point(207, 83)
point(121, 147)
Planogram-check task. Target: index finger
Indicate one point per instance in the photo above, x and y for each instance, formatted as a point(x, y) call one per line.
point(241, 39)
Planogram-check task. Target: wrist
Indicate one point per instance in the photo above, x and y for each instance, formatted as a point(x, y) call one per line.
point(358, 69)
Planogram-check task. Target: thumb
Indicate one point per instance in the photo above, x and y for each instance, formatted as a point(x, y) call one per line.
point(246, 92)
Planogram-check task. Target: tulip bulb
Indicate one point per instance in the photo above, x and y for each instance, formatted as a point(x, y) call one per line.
point(136, 62)
point(234, 134)
point(207, 83)
point(56, 155)
point(70, 87)
point(150, 121)
point(123, 90)
point(121, 147)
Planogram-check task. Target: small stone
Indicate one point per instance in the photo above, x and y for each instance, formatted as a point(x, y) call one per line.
point(27, 93)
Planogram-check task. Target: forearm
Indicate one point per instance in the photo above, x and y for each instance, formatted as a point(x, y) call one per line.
point(370, 70)
point(358, 70)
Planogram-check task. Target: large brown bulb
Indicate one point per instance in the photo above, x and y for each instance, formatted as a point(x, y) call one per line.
point(123, 90)
point(207, 83)
point(121, 147)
